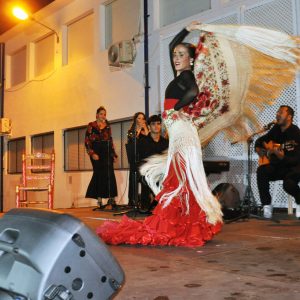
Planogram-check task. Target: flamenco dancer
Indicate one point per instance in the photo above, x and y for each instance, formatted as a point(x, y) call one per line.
point(187, 213)
point(235, 73)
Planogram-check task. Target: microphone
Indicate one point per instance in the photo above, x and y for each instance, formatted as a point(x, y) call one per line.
point(268, 126)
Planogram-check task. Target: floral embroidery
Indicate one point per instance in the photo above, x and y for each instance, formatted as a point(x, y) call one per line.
point(174, 116)
point(94, 133)
point(170, 116)
point(212, 78)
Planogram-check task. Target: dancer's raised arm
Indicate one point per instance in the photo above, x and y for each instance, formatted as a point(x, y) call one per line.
point(179, 38)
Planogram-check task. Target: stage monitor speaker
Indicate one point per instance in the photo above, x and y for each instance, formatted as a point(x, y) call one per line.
point(228, 195)
point(229, 198)
point(47, 255)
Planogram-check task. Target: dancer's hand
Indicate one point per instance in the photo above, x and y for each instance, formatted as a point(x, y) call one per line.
point(193, 26)
point(95, 156)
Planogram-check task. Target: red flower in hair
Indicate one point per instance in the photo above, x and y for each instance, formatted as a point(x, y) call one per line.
point(164, 115)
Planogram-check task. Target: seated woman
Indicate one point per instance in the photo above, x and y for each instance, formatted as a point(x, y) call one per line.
point(137, 131)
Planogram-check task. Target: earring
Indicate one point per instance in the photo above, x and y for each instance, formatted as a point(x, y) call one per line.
point(191, 62)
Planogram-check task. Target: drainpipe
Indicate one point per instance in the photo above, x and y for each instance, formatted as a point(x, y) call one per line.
point(2, 54)
point(146, 59)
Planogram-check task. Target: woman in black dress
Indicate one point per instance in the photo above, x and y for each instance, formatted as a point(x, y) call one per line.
point(137, 131)
point(99, 146)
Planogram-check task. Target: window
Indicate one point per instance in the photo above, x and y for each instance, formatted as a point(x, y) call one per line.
point(119, 134)
point(122, 20)
point(43, 143)
point(44, 54)
point(75, 156)
point(81, 38)
point(15, 147)
point(18, 67)
point(172, 11)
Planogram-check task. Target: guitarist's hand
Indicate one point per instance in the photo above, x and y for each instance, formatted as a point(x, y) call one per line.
point(278, 152)
point(269, 146)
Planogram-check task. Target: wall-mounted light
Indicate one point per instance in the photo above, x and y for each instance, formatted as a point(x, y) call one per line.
point(21, 14)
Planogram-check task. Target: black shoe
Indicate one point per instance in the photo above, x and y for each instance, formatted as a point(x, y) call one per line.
point(112, 202)
point(130, 204)
point(146, 212)
point(101, 205)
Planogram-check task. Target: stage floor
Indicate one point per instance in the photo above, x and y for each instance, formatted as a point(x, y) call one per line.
point(252, 259)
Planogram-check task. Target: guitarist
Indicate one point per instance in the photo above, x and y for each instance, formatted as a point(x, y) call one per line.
point(281, 148)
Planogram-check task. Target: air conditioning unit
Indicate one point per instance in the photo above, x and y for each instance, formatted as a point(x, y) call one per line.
point(121, 53)
point(5, 126)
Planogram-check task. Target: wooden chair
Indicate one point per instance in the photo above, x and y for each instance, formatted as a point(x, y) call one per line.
point(37, 176)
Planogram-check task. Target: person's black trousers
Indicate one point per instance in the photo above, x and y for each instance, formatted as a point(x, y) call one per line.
point(147, 195)
point(289, 175)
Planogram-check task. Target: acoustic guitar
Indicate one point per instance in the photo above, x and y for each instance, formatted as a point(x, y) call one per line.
point(271, 145)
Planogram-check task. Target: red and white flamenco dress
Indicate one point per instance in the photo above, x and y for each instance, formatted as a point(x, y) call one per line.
point(187, 213)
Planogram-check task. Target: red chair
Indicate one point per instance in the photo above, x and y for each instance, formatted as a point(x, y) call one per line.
point(37, 176)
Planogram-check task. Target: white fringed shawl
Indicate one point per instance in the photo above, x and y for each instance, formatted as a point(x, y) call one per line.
point(243, 68)
point(185, 157)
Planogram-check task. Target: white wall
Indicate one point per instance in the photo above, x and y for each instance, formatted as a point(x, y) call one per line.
point(69, 97)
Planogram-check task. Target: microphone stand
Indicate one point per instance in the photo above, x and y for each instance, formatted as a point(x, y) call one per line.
point(249, 203)
point(133, 212)
point(248, 200)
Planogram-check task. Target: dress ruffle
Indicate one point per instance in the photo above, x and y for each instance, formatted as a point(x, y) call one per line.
point(168, 226)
